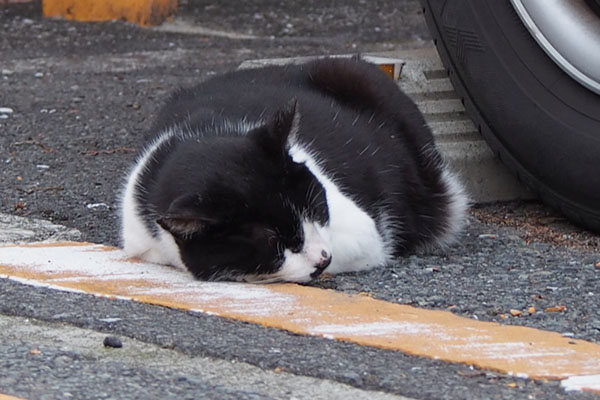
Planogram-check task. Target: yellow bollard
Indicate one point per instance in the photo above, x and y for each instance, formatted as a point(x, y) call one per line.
point(142, 12)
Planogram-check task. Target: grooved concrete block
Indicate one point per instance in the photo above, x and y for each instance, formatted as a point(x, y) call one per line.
point(425, 80)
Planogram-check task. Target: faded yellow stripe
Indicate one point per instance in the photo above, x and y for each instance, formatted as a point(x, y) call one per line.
point(306, 310)
point(143, 12)
point(7, 397)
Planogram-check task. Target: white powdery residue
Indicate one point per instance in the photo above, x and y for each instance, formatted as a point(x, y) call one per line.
point(80, 263)
point(87, 261)
point(381, 329)
point(511, 350)
point(31, 282)
point(475, 334)
point(239, 298)
point(303, 319)
point(581, 382)
point(212, 290)
point(277, 306)
point(246, 298)
point(236, 291)
point(519, 375)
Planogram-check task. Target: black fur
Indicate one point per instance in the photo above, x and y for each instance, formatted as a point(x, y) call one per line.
point(235, 199)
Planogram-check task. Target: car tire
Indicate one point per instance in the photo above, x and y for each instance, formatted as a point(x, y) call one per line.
point(540, 122)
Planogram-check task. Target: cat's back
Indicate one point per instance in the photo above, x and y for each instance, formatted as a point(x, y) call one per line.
point(249, 95)
point(252, 94)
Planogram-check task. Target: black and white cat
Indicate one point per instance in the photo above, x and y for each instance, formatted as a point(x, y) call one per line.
point(281, 173)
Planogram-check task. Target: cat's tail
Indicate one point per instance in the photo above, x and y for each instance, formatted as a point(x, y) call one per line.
point(454, 200)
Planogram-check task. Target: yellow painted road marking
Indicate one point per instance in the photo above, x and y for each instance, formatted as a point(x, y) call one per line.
point(143, 12)
point(440, 335)
point(7, 397)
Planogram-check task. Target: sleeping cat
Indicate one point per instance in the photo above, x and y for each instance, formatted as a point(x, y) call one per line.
point(283, 172)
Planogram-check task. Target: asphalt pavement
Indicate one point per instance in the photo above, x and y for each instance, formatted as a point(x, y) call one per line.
point(82, 96)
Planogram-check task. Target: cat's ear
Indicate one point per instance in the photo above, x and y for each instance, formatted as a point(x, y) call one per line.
point(280, 131)
point(182, 226)
point(185, 218)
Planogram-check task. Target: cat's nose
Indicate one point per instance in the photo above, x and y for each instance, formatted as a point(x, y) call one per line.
point(322, 265)
point(325, 260)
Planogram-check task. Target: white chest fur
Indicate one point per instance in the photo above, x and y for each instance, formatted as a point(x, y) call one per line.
point(355, 241)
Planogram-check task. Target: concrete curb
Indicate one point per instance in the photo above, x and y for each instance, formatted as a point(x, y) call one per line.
point(15, 230)
point(137, 355)
point(425, 80)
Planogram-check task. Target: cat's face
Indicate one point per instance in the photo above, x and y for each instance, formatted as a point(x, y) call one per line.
point(250, 213)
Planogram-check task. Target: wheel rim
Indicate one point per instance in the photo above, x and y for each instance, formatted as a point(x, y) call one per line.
point(573, 43)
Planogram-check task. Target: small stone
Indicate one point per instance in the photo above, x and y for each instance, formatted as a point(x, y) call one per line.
point(436, 299)
point(6, 110)
point(516, 313)
point(346, 285)
point(62, 361)
point(514, 238)
point(532, 310)
point(352, 377)
point(93, 206)
point(110, 320)
point(112, 341)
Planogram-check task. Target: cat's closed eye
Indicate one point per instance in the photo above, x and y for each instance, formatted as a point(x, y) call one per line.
point(296, 248)
point(257, 231)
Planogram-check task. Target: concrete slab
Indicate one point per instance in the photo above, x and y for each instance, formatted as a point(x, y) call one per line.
point(513, 350)
point(15, 229)
point(85, 345)
point(425, 80)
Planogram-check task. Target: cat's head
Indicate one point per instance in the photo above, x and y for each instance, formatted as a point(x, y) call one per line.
point(241, 208)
